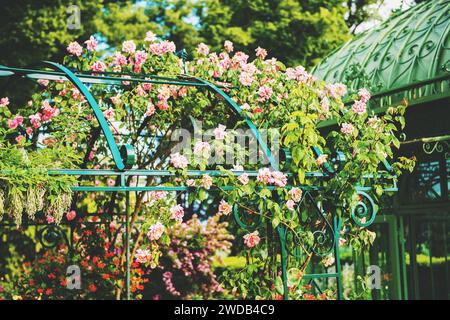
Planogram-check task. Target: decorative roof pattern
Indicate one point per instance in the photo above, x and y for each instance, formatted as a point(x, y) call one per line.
point(407, 56)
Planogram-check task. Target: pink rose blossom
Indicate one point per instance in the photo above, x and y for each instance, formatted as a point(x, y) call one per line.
point(364, 95)
point(177, 212)
point(119, 59)
point(228, 45)
point(265, 92)
point(71, 215)
point(359, 107)
point(43, 82)
point(110, 182)
point(261, 53)
point(12, 124)
point(243, 178)
point(109, 114)
point(19, 139)
point(252, 239)
point(4, 102)
point(143, 256)
point(296, 194)
point(278, 178)
point(325, 104)
point(202, 148)
point(129, 46)
point(116, 99)
point(206, 181)
point(98, 66)
point(264, 175)
point(203, 49)
point(75, 48)
point(91, 44)
point(321, 159)
point(347, 128)
point(150, 37)
point(50, 219)
point(178, 161)
point(150, 109)
point(290, 204)
point(337, 90)
point(245, 79)
point(158, 194)
point(224, 207)
point(155, 231)
point(220, 132)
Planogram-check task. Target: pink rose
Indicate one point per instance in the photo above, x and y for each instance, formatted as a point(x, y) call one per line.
point(359, 107)
point(202, 148)
point(91, 44)
point(109, 114)
point(228, 45)
point(129, 46)
point(71, 215)
point(278, 178)
point(206, 181)
point(98, 66)
point(143, 256)
point(290, 204)
point(296, 194)
point(110, 182)
point(265, 92)
point(364, 95)
point(243, 178)
point(150, 37)
point(321, 159)
point(177, 212)
point(178, 161)
point(4, 102)
point(264, 175)
point(203, 49)
point(219, 132)
point(224, 208)
point(347, 128)
point(155, 231)
point(252, 239)
point(261, 53)
point(75, 48)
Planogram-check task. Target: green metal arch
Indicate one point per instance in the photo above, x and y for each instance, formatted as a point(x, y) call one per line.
point(97, 112)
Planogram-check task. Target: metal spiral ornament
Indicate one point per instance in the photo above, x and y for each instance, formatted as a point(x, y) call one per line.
point(364, 212)
point(246, 219)
point(51, 235)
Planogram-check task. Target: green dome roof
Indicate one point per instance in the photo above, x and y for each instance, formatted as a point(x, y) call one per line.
point(406, 56)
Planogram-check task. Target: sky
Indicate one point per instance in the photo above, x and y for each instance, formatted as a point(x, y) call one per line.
point(384, 12)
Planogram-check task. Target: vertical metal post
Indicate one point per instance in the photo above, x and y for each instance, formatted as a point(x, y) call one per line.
point(337, 224)
point(402, 240)
point(282, 235)
point(127, 244)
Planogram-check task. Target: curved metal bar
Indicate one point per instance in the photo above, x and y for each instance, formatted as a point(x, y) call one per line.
point(251, 125)
point(98, 113)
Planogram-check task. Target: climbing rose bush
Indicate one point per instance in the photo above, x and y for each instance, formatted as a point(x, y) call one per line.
point(146, 113)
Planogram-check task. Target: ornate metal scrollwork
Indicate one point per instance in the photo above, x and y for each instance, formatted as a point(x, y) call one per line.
point(319, 226)
point(51, 235)
point(247, 219)
point(364, 212)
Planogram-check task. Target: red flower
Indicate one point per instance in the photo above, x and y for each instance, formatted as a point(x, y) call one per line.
point(40, 291)
point(106, 276)
point(49, 291)
point(92, 287)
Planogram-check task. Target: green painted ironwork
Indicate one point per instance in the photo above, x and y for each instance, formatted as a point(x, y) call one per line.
point(124, 159)
point(407, 56)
